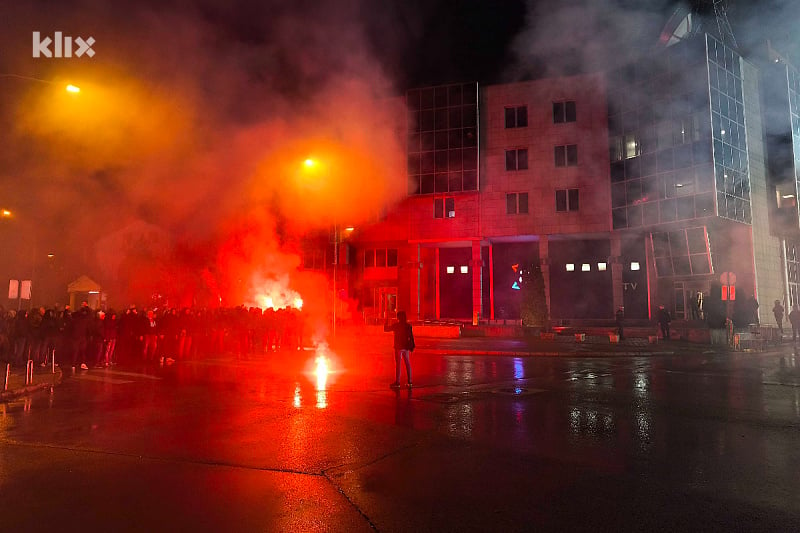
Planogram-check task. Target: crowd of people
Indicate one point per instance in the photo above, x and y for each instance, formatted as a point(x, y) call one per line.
point(86, 338)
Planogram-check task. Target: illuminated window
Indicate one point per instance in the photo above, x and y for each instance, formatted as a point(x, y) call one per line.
point(634, 265)
point(570, 267)
point(451, 269)
point(464, 269)
point(601, 267)
point(585, 267)
point(450, 207)
point(444, 207)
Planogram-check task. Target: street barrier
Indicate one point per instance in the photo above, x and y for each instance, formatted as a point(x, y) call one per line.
point(29, 372)
point(8, 376)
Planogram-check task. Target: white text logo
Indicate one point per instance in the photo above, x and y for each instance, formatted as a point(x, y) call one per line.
point(63, 46)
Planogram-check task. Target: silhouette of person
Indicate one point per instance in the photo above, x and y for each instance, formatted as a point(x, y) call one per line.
point(403, 345)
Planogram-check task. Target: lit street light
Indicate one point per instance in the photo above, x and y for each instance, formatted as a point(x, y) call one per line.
point(310, 163)
point(70, 88)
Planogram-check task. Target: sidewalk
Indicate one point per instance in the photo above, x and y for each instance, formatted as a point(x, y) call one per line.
point(559, 345)
point(43, 378)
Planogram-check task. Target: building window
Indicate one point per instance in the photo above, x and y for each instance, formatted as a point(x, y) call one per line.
point(444, 207)
point(442, 142)
point(585, 267)
point(564, 112)
point(517, 203)
point(601, 267)
point(391, 257)
point(567, 200)
point(517, 117)
point(635, 265)
point(380, 258)
point(451, 269)
point(517, 159)
point(565, 156)
point(570, 267)
point(313, 260)
point(464, 269)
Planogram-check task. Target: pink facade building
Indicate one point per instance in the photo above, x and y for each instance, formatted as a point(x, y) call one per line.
point(502, 179)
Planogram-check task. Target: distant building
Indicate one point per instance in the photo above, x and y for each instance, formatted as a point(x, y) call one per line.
point(643, 186)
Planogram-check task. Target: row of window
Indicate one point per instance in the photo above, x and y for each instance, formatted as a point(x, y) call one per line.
point(516, 203)
point(601, 267)
point(380, 257)
point(563, 156)
point(517, 116)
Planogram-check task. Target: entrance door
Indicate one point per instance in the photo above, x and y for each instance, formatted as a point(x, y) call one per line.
point(679, 299)
point(685, 298)
point(387, 302)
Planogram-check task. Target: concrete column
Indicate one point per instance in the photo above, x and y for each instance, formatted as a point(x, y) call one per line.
point(617, 266)
point(437, 286)
point(477, 272)
point(544, 262)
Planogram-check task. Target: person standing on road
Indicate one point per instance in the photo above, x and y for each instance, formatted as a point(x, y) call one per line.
point(403, 346)
point(620, 317)
point(663, 321)
point(794, 318)
point(778, 310)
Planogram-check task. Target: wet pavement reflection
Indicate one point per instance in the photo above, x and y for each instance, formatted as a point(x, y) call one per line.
point(496, 442)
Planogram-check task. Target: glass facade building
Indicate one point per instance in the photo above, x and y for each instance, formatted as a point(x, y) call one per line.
point(443, 139)
point(677, 137)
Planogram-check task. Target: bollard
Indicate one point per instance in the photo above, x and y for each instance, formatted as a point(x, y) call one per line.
point(53, 361)
point(29, 373)
point(8, 376)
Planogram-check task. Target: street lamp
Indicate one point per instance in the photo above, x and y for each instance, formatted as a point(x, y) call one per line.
point(309, 164)
point(70, 88)
point(34, 239)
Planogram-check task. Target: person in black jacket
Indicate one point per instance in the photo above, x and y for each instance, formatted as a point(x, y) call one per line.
point(403, 346)
point(794, 319)
point(620, 318)
point(664, 319)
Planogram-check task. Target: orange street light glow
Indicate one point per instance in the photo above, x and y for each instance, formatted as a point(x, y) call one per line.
point(73, 89)
point(6, 213)
point(309, 163)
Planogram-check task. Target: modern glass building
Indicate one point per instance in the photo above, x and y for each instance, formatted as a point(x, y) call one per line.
point(687, 173)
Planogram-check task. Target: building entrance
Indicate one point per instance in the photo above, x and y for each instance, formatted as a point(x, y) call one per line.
point(687, 305)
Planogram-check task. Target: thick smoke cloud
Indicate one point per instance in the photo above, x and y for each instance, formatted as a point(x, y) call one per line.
point(196, 118)
point(580, 36)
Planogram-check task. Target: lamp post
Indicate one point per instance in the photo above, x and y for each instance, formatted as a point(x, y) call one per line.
point(309, 165)
point(10, 215)
point(70, 88)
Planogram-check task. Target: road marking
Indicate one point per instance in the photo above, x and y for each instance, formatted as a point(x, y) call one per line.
point(130, 374)
point(104, 379)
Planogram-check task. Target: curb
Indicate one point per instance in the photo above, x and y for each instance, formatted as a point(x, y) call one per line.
point(28, 389)
point(508, 353)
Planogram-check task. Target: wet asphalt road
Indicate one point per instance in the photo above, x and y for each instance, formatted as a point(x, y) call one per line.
point(689, 442)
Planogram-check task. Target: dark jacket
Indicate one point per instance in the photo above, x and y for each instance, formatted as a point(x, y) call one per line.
point(403, 335)
point(794, 318)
